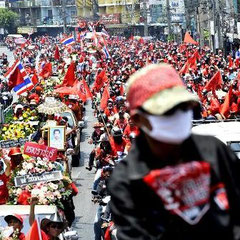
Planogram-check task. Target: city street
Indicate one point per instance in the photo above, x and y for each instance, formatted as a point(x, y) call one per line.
point(84, 209)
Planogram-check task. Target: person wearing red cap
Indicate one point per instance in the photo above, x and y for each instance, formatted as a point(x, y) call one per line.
point(4, 177)
point(15, 221)
point(16, 157)
point(173, 184)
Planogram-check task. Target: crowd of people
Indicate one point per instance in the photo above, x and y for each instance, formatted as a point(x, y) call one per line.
point(65, 76)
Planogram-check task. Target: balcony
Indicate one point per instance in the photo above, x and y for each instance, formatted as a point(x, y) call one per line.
point(26, 4)
point(56, 3)
point(103, 3)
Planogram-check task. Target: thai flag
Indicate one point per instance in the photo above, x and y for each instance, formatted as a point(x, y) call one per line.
point(68, 41)
point(104, 32)
point(26, 84)
point(105, 52)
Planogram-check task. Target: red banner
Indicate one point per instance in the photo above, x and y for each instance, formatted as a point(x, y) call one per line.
point(36, 150)
point(110, 18)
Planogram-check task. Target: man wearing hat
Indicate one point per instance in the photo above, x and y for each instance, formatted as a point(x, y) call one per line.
point(50, 228)
point(16, 222)
point(173, 184)
point(16, 157)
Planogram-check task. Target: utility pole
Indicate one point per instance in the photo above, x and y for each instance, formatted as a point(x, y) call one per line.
point(169, 19)
point(145, 18)
point(64, 16)
point(218, 24)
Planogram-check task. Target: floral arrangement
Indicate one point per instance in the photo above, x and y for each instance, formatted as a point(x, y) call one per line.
point(8, 231)
point(50, 84)
point(48, 193)
point(14, 131)
point(28, 115)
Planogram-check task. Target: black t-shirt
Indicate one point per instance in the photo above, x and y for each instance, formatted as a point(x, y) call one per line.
point(196, 197)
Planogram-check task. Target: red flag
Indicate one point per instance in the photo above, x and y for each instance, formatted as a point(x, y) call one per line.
point(189, 39)
point(69, 78)
point(15, 79)
point(105, 97)
point(100, 80)
point(81, 91)
point(184, 69)
point(46, 70)
point(214, 106)
point(35, 233)
point(225, 107)
point(215, 82)
point(57, 53)
point(88, 92)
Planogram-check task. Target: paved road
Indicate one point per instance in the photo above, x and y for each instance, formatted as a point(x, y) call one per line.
point(85, 209)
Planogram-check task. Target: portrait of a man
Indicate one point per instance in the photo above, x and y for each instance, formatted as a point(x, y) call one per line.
point(56, 137)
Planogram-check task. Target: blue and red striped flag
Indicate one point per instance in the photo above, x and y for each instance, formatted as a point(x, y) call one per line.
point(68, 41)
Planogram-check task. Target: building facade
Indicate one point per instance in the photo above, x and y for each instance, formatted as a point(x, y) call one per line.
point(45, 16)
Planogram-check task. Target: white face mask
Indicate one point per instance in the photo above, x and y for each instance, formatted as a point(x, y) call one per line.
point(172, 129)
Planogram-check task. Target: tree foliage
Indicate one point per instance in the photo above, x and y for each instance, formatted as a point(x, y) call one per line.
point(7, 18)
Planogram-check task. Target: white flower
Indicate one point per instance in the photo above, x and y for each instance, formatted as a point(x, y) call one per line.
point(35, 192)
point(29, 166)
point(44, 189)
point(22, 172)
point(19, 191)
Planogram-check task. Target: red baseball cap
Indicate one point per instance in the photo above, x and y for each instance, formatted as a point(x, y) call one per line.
point(14, 151)
point(16, 216)
point(157, 88)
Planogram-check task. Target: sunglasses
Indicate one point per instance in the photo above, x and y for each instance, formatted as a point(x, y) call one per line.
point(56, 226)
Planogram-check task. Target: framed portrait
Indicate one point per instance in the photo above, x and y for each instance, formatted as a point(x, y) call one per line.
point(57, 137)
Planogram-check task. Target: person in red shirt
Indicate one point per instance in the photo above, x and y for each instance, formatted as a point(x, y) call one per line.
point(4, 176)
point(118, 142)
point(130, 128)
point(110, 110)
point(121, 122)
point(16, 222)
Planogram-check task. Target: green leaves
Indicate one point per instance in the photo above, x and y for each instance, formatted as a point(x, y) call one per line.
point(7, 18)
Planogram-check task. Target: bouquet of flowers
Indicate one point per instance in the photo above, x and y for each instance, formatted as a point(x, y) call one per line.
point(48, 193)
point(6, 232)
point(16, 131)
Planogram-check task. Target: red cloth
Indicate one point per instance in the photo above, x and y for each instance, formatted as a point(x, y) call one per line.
point(110, 112)
point(81, 91)
point(128, 130)
point(15, 79)
point(57, 53)
point(105, 97)
point(69, 78)
point(3, 188)
point(214, 106)
point(46, 70)
point(100, 80)
point(121, 123)
point(34, 233)
point(225, 107)
point(75, 189)
point(24, 197)
point(215, 82)
point(189, 39)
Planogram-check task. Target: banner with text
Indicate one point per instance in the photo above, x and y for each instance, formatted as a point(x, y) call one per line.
point(36, 178)
point(36, 150)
